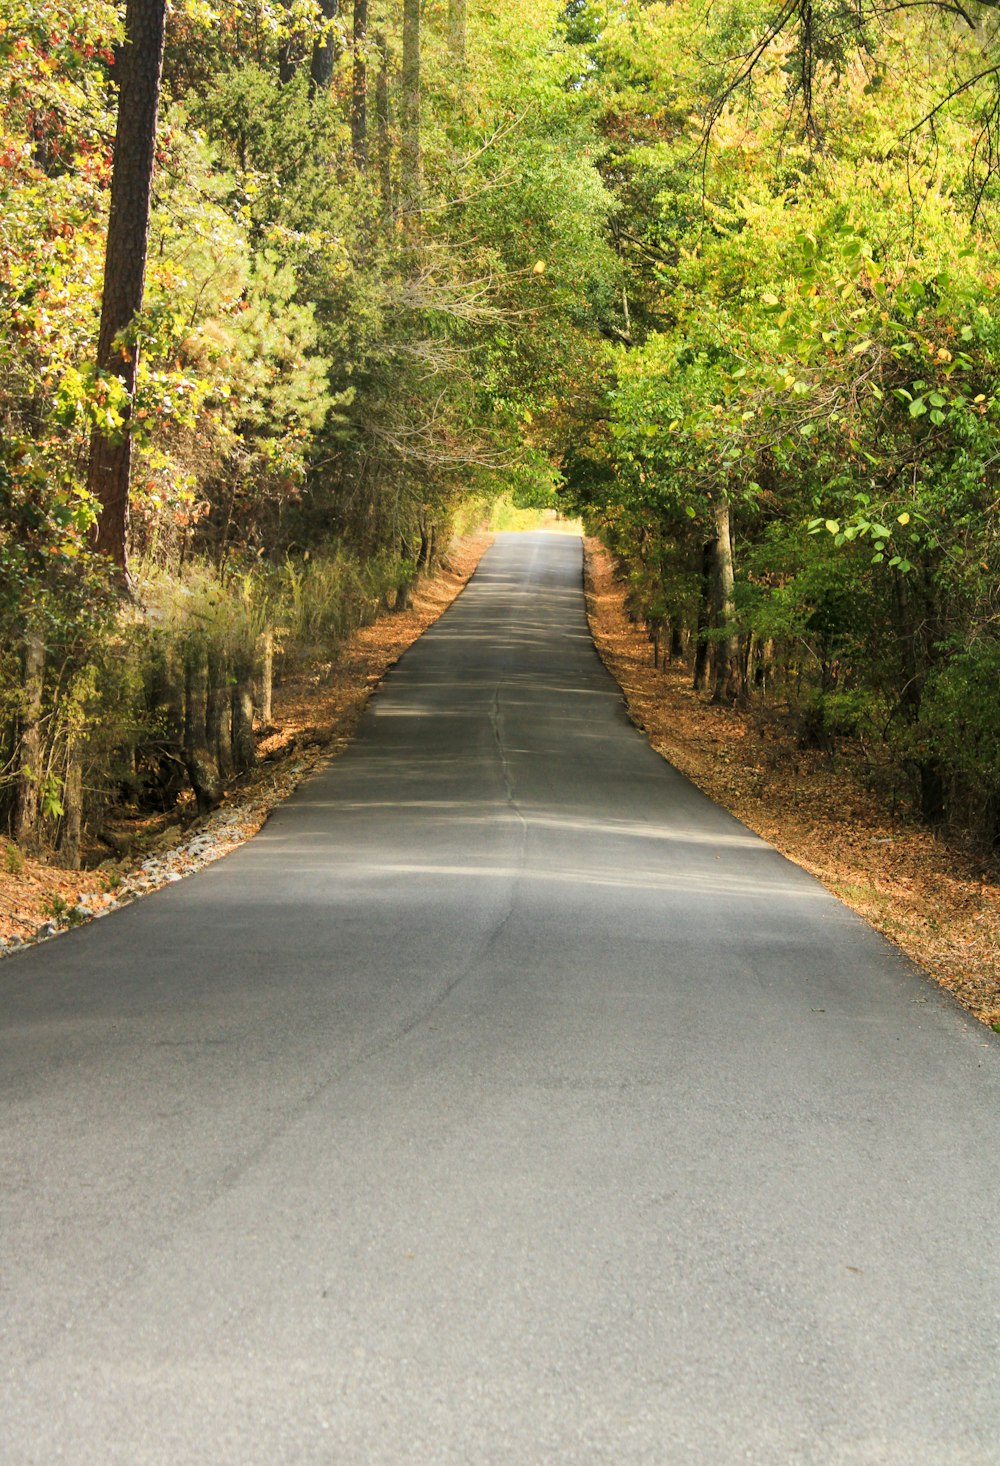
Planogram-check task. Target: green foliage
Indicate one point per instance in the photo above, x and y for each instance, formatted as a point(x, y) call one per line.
point(814, 343)
point(645, 281)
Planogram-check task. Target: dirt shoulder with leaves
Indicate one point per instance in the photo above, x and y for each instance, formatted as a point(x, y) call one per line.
point(313, 719)
point(932, 901)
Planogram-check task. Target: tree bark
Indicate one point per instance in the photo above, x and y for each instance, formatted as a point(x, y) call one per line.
point(324, 53)
point(218, 715)
point(29, 761)
point(727, 658)
point(410, 119)
point(140, 65)
point(69, 839)
point(359, 87)
point(199, 757)
point(244, 747)
point(266, 700)
point(383, 121)
point(702, 649)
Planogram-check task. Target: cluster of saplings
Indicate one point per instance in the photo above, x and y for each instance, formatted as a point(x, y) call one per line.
point(158, 706)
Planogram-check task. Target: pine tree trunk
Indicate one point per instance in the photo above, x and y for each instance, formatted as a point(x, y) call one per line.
point(702, 649)
point(218, 714)
point(29, 758)
point(410, 119)
point(359, 87)
point(69, 840)
point(199, 758)
point(383, 121)
point(426, 551)
point(140, 64)
point(727, 660)
point(324, 53)
point(266, 701)
point(244, 747)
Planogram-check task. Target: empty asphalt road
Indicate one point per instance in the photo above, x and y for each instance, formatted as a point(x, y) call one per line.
point(503, 1101)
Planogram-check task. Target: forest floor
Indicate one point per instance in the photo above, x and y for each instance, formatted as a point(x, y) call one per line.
point(935, 902)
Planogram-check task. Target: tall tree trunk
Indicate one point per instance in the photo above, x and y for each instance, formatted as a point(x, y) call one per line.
point(139, 65)
point(218, 715)
point(359, 87)
point(29, 758)
point(727, 658)
point(456, 29)
point(383, 120)
point(324, 52)
point(701, 651)
point(244, 748)
point(199, 756)
point(69, 839)
point(410, 118)
point(290, 51)
point(425, 558)
point(265, 702)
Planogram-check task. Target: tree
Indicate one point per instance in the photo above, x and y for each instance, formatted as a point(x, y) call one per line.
point(410, 108)
point(139, 65)
point(324, 51)
point(359, 87)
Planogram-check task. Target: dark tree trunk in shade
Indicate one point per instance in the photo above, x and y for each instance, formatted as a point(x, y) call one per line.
point(291, 51)
point(199, 755)
point(139, 67)
point(383, 119)
point(29, 743)
point(410, 110)
point(218, 713)
point(359, 87)
point(243, 745)
point(702, 650)
point(727, 659)
point(324, 52)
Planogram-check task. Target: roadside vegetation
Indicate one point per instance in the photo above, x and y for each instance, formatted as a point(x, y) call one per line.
point(719, 279)
point(358, 296)
point(795, 457)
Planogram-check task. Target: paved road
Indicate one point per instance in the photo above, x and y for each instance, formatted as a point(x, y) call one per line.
point(503, 1102)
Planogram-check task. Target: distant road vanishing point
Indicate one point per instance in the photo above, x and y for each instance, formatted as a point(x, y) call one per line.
point(503, 1103)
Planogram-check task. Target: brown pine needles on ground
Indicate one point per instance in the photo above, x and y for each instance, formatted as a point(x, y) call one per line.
point(928, 898)
point(314, 716)
point(931, 900)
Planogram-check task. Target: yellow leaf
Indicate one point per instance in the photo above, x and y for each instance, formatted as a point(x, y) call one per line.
point(902, 519)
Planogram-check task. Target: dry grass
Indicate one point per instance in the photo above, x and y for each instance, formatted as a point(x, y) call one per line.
point(314, 717)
